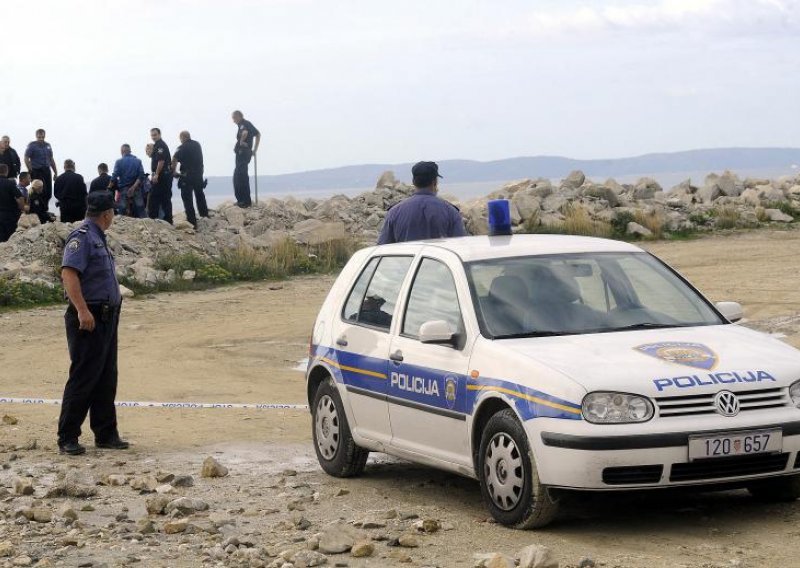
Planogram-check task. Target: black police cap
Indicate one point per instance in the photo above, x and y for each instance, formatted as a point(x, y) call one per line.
point(425, 170)
point(99, 201)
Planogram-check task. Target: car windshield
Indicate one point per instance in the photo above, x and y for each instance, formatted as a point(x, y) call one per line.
point(581, 293)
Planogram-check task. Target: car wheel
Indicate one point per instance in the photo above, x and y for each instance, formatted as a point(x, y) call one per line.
point(336, 450)
point(777, 489)
point(509, 480)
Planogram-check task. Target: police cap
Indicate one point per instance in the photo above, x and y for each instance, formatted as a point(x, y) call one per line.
point(99, 201)
point(424, 173)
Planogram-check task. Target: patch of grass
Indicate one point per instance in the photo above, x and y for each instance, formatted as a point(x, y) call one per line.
point(699, 218)
point(17, 294)
point(654, 221)
point(619, 225)
point(725, 217)
point(577, 221)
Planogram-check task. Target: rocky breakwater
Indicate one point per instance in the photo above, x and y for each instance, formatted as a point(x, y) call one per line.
point(575, 204)
point(645, 209)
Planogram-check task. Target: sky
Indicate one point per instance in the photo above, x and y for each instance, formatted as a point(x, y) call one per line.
point(334, 83)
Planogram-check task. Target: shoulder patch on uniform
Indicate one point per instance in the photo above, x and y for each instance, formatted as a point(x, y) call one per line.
point(73, 245)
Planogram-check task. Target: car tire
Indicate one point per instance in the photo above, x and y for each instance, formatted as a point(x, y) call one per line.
point(336, 450)
point(777, 490)
point(508, 476)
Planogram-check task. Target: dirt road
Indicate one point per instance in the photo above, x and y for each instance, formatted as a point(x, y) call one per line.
point(241, 344)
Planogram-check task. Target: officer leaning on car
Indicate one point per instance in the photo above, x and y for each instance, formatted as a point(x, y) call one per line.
point(92, 318)
point(423, 215)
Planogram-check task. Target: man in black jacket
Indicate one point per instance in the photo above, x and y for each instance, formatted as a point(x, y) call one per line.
point(14, 157)
point(10, 158)
point(100, 183)
point(70, 192)
point(190, 179)
point(11, 205)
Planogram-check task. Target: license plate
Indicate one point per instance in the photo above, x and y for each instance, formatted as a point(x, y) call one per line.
point(735, 444)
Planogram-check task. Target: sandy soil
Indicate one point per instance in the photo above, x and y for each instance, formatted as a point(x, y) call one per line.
point(240, 344)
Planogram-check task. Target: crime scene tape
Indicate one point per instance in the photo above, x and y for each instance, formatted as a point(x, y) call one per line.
point(152, 404)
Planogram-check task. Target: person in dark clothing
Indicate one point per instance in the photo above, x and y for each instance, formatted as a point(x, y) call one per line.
point(16, 164)
point(247, 140)
point(70, 193)
point(190, 178)
point(9, 159)
point(160, 178)
point(100, 183)
point(39, 161)
point(92, 319)
point(11, 205)
point(37, 204)
point(423, 215)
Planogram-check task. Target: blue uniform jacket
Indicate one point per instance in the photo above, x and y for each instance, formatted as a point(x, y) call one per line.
point(87, 252)
point(421, 216)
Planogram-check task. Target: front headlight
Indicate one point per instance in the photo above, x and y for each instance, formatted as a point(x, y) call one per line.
point(794, 392)
point(617, 408)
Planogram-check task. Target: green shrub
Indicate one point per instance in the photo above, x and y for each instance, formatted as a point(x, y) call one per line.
point(16, 294)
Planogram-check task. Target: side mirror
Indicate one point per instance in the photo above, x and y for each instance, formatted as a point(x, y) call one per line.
point(436, 331)
point(731, 310)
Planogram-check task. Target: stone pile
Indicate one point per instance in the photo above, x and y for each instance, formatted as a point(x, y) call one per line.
point(723, 201)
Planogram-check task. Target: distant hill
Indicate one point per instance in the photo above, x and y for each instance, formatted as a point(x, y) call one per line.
point(470, 171)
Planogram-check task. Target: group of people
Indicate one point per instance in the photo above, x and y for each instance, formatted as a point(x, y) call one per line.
point(136, 193)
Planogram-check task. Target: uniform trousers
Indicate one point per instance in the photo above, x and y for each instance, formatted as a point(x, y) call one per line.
point(193, 188)
point(71, 212)
point(92, 384)
point(8, 225)
point(241, 177)
point(160, 199)
point(46, 176)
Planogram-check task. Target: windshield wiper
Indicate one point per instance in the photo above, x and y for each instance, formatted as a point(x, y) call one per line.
point(644, 325)
point(533, 334)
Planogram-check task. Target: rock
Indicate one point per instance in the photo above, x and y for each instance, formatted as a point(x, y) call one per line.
point(362, 549)
point(23, 560)
point(387, 179)
point(165, 489)
point(574, 180)
point(176, 526)
point(157, 504)
point(536, 556)
point(23, 486)
point(212, 468)
point(183, 481)
point(634, 228)
point(586, 562)
point(41, 515)
point(602, 192)
point(493, 560)
point(408, 541)
point(9, 420)
point(646, 188)
point(188, 275)
point(186, 506)
point(337, 538)
point(116, 480)
point(309, 558)
point(400, 556)
point(429, 526)
point(146, 484)
point(778, 215)
point(126, 292)
point(527, 204)
point(314, 232)
point(6, 549)
point(68, 512)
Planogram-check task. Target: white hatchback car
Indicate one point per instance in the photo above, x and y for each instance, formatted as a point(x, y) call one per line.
point(542, 362)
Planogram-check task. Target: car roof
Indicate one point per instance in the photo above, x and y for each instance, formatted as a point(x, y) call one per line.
point(485, 247)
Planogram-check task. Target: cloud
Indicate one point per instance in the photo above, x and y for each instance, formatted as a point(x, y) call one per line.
point(734, 17)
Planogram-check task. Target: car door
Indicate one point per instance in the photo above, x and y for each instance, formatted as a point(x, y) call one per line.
point(428, 382)
point(362, 342)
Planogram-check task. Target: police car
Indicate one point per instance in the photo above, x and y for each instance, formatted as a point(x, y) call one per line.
point(534, 363)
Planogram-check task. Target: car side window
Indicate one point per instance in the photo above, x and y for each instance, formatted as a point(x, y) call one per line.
point(351, 307)
point(433, 296)
point(377, 307)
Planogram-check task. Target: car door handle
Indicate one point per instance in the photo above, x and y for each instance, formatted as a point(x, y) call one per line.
point(396, 356)
point(342, 341)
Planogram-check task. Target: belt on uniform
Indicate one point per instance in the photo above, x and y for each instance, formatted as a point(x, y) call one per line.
point(102, 310)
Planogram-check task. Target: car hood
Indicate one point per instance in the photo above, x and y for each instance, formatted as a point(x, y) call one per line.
point(667, 362)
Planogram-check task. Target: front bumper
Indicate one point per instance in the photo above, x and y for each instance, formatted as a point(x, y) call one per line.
point(580, 455)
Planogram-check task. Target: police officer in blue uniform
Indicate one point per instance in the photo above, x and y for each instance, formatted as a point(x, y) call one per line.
point(247, 139)
point(423, 215)
point(92, 318)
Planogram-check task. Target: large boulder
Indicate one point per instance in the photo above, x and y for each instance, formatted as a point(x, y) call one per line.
point(601, 192)
point(646, 188)
point(574, 180)
point(527, 203)
point(314, 232)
